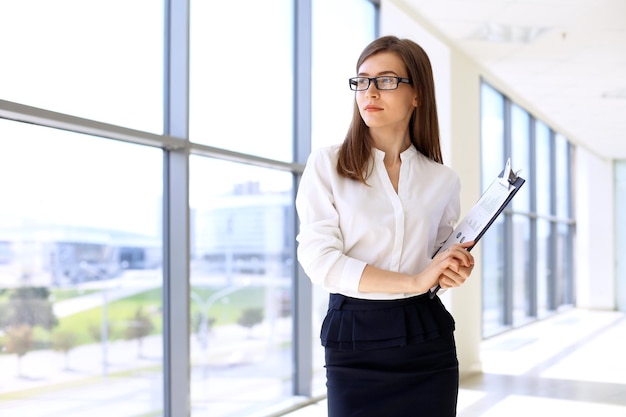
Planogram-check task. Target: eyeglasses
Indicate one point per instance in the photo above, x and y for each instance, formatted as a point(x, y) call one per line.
point(382, 83)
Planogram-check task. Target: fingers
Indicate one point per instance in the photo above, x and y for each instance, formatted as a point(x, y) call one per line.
point(459, 251)
point(452, 266)
point(454, 277)
point(467, 244)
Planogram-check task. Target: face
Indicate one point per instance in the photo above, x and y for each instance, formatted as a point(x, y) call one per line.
point(386, 109)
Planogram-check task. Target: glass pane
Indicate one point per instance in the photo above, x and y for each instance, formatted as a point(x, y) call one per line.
point(563, 263)
point(543, 179)
point(492, 134)
point(521, 270)
point(100, 60)
point(334, 61)
point(563, 175)
point(80, 274)
point(241, 76)
point(242, 263)
point(493, 250)
point(520, 155)
point(543, 266)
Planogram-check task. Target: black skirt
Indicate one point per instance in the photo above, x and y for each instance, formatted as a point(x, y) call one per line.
point(390, 358)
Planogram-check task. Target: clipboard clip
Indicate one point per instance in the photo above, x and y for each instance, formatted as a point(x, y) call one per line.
point(508, 177)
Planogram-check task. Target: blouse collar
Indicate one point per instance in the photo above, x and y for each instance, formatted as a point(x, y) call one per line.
point(409, 152)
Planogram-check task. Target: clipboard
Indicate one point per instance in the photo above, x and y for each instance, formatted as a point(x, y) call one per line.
point(486, 210)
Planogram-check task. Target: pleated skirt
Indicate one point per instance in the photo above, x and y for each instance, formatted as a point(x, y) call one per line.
point(390, 358)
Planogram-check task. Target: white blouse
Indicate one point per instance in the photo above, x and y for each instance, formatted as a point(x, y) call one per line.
point(345, 224)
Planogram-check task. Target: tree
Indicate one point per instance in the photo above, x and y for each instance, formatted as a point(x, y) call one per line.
point(5, 315)
point(19, 341)
point(95, 331)
point(26, 308)
point(64, 341)
point(139, 327)
point(32, 306)
point(250, 317)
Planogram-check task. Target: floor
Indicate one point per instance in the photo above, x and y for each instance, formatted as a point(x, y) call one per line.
point(573, 364)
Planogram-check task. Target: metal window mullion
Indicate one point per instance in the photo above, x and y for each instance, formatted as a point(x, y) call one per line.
point(176, 220)
point(242, 158)
point(571, 227)
point(507, 284)
point(47, 118)
point(302, 287)
point(552, 261)
point(533, 302)
point(376, 4)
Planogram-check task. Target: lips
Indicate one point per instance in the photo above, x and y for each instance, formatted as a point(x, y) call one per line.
point(371, 107)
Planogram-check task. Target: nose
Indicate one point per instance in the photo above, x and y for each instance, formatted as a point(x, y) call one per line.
point(371, 91)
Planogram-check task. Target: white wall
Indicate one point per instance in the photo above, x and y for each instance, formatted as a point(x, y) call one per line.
point(595, 266)
point(620, 233)
point(465, 109)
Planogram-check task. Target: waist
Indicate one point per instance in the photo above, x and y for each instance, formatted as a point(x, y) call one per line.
point(360, 324)
point(343, 302)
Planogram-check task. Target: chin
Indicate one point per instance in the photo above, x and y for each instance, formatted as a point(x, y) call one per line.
point(370, 123)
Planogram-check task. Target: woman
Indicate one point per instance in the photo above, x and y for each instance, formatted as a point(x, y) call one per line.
point(373, 211)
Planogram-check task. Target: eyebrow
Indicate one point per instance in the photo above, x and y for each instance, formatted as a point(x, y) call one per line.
point(363, 74)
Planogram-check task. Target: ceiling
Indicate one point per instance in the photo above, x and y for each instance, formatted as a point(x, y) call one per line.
point(566, 57)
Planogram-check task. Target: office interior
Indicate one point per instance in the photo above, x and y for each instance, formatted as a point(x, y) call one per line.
point(151, 154)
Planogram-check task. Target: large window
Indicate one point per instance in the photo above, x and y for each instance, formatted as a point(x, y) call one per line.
point(543, 208)
point(241, 287)
point(528, 254)
point(564, 249)
point(241, 75)
point(492, 128)
point(80, 274)
point(150, 156)
point(520, 267)
point(102, 60)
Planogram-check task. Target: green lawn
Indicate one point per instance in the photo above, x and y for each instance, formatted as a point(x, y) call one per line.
point(86, 326)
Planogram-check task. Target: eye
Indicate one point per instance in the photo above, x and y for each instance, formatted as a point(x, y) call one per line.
point(386, 82)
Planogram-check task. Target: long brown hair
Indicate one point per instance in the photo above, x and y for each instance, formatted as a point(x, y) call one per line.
point(356, 149)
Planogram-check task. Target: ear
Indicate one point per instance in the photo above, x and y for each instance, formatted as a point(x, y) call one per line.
point(415, 103)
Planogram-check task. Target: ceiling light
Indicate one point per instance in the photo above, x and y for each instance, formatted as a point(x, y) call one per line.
point(494, 32)
point(617, 93)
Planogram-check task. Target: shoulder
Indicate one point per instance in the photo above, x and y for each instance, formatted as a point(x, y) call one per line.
point(445, 174)
point(323, 157)
point(326, 152)
point(319, 175)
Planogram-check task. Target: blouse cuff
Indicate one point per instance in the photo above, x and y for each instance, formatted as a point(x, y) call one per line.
point(351, 274)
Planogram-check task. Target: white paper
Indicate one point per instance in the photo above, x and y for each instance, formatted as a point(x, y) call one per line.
point(481, 214)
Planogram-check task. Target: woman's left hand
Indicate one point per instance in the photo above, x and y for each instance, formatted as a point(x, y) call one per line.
point(450, 278)
point(454, 277)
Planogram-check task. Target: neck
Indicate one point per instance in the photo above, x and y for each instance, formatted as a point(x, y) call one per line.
point(392, 146)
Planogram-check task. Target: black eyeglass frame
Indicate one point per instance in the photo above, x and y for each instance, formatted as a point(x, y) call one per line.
point(353, 83)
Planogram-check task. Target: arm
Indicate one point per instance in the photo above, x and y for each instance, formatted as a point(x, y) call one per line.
point(321, 250)
point(449, 269)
